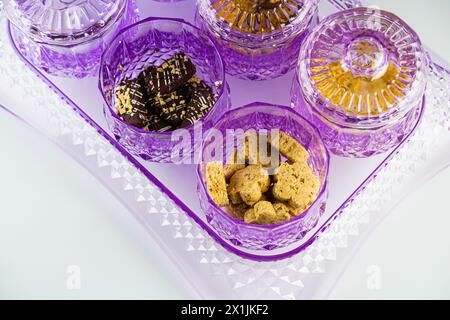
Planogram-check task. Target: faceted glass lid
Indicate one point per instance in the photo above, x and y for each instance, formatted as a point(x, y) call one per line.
point(362, 66)
point(64, 22)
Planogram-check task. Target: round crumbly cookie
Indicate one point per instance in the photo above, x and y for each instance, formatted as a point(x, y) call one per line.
point(216, 184)
point(248, 184)
point(251, 153)
point(233, 164)
point(285, 211)
point(297, 184)
point(264, 213)
point(258, 150)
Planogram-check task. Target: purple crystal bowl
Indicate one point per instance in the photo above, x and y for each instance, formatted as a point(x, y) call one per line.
point(361, 79)
point(150, 42)
point(69, 48)
point(256, 56)
point(263, 116)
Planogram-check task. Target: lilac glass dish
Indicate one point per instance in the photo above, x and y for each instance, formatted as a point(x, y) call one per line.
point(361, 191)
point(361, 80)
point(146, 43)
point(67, 38)
point(258, 54)
point(265, 116)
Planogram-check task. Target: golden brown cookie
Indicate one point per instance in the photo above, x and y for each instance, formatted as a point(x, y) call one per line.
point(233, 164)
point(255, 150)
point(284, 209)
point(248, 184)
point(264, 213)
point(216, 184)
point(290, 148)
point(297, 184)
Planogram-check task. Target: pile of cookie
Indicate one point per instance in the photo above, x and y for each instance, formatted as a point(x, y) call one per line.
point(165, 97)
point(260, 193)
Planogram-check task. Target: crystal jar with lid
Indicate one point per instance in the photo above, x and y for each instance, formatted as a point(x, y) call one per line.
point(361, 80)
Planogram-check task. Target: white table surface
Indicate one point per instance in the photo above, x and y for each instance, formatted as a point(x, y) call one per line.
point(54, 215)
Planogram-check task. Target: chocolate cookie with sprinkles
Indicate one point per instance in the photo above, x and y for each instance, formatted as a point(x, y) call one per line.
point(131, 103)
point(202, 99)
point(169, 76)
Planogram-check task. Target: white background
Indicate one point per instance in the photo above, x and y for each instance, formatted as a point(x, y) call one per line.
point(53, 214)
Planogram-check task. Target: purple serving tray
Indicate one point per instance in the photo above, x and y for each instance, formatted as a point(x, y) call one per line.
point(361, 190)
